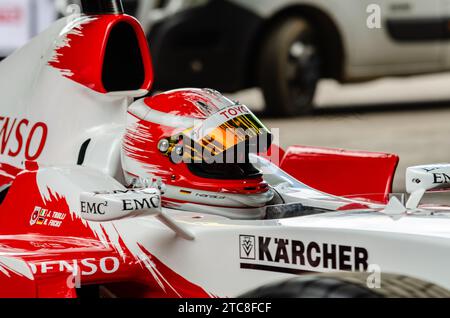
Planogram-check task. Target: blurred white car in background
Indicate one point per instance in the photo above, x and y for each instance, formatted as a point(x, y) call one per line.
point(286, 46)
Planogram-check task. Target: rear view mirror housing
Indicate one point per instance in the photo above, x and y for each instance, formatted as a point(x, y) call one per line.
point(114, 205)
point(421, 179)
point(428, 178)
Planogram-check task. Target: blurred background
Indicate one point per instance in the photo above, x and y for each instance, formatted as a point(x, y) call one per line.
point(357, 74)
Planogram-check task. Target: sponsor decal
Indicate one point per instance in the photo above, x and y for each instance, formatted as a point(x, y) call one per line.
point(20, 137)
point(210, 196)
point(298, 257)
point(232, 112)
point(94, 208)
point(46, 245)
point(247, 244)
point(45, 217)
point(35, 215)
point(441, 178)
point(141, 204)
point(83, 267)
point(114, 204)
point(223, 121)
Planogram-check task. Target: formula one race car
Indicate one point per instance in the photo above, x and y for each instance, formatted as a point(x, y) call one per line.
point(102, 191)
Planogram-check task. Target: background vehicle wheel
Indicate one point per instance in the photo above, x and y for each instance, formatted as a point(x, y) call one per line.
point(349, 285)
point(289, 68)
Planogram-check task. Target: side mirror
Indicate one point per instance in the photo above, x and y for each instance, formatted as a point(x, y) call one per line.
point(421, 179)
point(114, 205)
point(428, 177)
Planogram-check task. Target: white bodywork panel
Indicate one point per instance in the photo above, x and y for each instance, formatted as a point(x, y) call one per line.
point(96, 116)
point(413, 243)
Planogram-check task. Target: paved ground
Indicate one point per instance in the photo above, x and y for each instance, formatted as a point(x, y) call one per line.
point(410, 117)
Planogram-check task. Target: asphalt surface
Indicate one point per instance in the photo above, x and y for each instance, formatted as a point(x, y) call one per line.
point(409, 117)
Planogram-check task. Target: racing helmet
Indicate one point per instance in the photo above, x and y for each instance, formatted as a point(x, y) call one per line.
point(198, 143)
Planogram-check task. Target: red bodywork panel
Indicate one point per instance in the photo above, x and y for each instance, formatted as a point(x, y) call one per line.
point(367, 175)
point(53, 254)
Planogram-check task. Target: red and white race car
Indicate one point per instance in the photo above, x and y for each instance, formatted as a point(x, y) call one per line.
point(104, 188)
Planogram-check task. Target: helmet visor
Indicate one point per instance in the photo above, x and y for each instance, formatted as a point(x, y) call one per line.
point(233, 128)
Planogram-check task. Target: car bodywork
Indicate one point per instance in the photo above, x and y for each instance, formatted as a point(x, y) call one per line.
point(64, 106)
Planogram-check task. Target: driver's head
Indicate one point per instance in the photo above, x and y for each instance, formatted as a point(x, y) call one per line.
point(198, 142)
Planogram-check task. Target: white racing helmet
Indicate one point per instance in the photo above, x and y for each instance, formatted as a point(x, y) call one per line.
point(198, 143)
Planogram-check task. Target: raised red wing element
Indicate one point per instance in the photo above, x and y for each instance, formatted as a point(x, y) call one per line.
point(340, 172)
